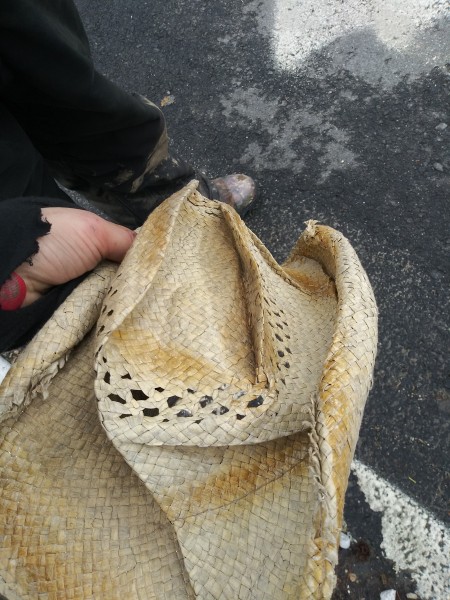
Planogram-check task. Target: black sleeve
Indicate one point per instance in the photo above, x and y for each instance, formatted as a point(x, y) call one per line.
point(90, 130)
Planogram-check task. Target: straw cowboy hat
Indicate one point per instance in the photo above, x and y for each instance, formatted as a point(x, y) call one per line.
point(183, 426)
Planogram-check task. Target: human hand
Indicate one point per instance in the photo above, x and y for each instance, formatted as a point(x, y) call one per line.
point(78, 240)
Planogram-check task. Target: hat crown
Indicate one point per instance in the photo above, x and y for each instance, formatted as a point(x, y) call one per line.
point(203, 341)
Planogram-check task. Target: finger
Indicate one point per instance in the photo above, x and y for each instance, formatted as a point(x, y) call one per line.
point(115, 241)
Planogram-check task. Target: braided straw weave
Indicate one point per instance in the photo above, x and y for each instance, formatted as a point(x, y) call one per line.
point(233, 388)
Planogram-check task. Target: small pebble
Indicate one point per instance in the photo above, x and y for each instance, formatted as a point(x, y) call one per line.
point(352, 577)
point(412, 596)
point(344, 541)
point(441, 126)
point(167, 100)
point(438, 167)
point(388, 595)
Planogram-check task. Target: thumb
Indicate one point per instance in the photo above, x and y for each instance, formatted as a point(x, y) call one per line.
point(115, 241)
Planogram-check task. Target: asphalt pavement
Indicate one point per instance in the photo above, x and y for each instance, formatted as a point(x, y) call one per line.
point(340, 111)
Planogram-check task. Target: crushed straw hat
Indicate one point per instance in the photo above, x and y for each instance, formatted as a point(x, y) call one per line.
point(183, 426)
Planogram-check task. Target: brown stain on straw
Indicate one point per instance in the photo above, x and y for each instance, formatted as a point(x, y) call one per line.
point(246, 469)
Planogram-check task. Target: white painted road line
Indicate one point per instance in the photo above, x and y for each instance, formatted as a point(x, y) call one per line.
point(377, 36)
point(412, 537)
point(302, 26)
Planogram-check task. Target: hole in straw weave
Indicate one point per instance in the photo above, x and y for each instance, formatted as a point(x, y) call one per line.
point(125, 416)
point(255, 402)
point(127, 376)
point(240, 417)
point(172, 401)
point(116, 398)
point(220, 410)
point(184, 413)
point(205, 400)
point(139, 395)
point(107, 377)
point(151, 412)
point(159, 389)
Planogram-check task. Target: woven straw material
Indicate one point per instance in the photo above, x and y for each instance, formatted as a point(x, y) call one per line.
point(233, 388)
